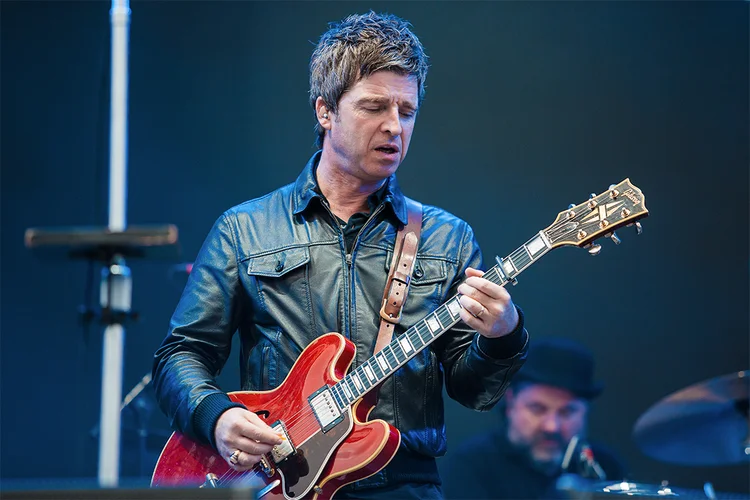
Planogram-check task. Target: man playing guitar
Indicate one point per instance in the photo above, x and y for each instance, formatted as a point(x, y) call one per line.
point(313, 257)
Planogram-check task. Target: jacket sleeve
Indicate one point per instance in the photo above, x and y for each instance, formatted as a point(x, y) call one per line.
point(199, 339)
point(477, 369)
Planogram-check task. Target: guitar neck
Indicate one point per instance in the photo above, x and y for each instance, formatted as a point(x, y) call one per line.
point(404, 347)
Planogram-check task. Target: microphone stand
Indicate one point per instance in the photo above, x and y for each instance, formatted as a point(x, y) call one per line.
point(111, 245)
point(116, 281)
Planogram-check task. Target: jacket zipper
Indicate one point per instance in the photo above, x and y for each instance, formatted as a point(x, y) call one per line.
point(350, 273)
point(349, 258)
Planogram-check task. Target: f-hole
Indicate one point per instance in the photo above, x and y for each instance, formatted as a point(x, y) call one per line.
point(263, 413)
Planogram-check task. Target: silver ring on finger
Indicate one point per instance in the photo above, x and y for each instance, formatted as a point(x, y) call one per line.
point(234, 458)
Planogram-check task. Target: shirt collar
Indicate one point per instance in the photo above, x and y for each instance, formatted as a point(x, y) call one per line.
point(306, 189)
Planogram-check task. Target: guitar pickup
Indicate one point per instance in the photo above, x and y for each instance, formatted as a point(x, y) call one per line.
point(282, 451)
point(325, 409)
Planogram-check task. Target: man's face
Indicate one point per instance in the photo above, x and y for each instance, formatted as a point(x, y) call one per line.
point(542, 420)
point(369, 135)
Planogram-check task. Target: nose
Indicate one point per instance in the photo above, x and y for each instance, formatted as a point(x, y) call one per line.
point(551, 423)
point(392, 122)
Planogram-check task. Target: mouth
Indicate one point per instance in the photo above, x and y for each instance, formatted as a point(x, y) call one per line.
point(388, 149)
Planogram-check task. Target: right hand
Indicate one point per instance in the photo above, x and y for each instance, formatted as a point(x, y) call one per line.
point(241, 429)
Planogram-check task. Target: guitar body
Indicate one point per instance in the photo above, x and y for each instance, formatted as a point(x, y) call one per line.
point(322, 462)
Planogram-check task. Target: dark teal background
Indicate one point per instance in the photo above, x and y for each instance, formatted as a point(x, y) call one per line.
point(530, 106)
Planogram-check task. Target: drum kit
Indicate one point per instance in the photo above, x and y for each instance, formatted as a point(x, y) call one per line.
point(704, 424)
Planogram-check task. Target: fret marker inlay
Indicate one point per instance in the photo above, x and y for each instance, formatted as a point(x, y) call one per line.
point(454, 306)
point(405, 344)
point(536, 245)
point(382, 362)
point(433, 324)
point(347, 392)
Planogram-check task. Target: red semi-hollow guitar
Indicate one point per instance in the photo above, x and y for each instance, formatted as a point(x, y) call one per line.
point(322, 411)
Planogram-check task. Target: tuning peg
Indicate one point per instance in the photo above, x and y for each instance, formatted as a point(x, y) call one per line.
point(592, 196)
point(615, 238)
point(594, 248)
point(638, 227)
point(611, 187)
point(571, 206)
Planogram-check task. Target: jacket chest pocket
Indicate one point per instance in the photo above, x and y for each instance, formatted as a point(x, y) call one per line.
point(279, 287)
point(425, 288)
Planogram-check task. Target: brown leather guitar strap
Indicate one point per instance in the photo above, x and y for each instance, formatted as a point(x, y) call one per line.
point(399, 276)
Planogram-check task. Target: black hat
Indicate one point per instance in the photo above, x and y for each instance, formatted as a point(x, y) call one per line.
point(561, 363)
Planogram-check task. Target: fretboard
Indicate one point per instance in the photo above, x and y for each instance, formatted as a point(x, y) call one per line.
point(405, 346)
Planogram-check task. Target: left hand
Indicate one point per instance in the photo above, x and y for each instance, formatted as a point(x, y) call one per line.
point(487, 307)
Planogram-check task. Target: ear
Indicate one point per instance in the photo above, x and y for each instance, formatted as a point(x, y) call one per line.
point(323, 114)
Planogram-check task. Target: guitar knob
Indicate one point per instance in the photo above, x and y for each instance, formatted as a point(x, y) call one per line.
point(594, 249)
point(615, 238)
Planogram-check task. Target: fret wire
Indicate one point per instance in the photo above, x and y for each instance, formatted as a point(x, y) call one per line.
point(527, 252)
point(342, 395)
point(495, 275)
point(384, 356)
point(520, 258)
point(420, 334)
point(406, 345)
point(375, 367)
point(398, 352)
point(391, 357)
point(352, 386)
point(363, 378)
point(523, 263)
point(424, 335)
point(520, 252)
point(430, 320)
point(385, 372)
point(445, 318)
point(336, 396)
point(396, 362)
point(512, 272)
point(360, 374)
point(414, 337)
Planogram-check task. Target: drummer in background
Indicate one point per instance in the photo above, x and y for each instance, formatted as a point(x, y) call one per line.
point(545, 409)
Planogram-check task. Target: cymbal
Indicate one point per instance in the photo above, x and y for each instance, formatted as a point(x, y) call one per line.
point(703, 424)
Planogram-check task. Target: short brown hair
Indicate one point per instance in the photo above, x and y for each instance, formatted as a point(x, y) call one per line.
point(357, 47)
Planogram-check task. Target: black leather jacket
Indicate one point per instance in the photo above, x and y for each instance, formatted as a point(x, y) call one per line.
point(276, 270)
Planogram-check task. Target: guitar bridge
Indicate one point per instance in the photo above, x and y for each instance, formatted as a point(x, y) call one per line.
point(325, 409)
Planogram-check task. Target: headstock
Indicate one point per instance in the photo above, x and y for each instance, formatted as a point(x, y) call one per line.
point(579, 225)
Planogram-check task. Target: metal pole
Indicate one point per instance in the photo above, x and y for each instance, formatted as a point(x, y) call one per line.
point(115, 292)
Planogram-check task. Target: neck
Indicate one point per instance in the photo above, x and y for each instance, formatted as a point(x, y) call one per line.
point(345, 193)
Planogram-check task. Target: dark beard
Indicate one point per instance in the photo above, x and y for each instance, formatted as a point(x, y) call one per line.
point(549, 468)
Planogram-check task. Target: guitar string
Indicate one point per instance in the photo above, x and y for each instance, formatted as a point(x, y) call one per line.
point(519, 254)
point(312, 424)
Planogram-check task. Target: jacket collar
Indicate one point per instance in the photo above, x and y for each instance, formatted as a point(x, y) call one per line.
point(306, 190)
